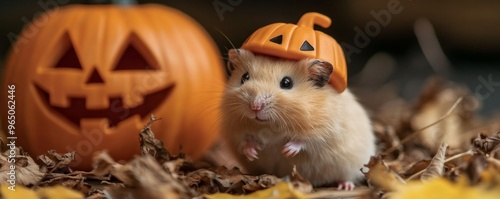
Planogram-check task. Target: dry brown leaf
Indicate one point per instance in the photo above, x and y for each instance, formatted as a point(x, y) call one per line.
point(254, 183)
point(54, 161)
point(73, 181)
point(415, 167)
point(299, 182)
point(436, 166)
point(222, 170)
point(152, 146)
point(102, 166)
point(143, 176)
point(231, 181)
point(380, 176)
point(486, 144)
point(174, 167)
point(203, 181)
point(220, 154)
point(435, 99)
point(147, 179)
point(476, 166)
point(59, 172)
point(395, 113)
point(452, 170)
point(27, 172)
point(494, 162)
point(160, 191)
point(387, 138)
point(419, 132)
point(181, 167)
point(97, 196)
point(444, 131)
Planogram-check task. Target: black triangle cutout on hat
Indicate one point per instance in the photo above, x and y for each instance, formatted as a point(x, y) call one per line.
point(306, 46)
point(277, 39)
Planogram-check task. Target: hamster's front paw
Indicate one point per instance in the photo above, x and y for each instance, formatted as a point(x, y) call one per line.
point(346, 185)
point(250, 148)
point(292, 148)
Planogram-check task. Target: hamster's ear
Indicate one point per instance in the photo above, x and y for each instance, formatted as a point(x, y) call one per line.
point(237, 57)
point(319, 72)
point(233, 59)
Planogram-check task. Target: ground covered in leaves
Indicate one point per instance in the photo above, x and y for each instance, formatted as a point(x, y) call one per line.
point(433, 147)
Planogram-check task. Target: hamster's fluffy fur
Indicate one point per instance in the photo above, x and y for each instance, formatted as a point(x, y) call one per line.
point(334, 128)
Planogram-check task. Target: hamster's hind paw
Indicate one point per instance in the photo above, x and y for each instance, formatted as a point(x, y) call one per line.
point(292, 148)
point(347, 186)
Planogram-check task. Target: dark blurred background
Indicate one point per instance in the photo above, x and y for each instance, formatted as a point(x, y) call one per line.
point(458, 39)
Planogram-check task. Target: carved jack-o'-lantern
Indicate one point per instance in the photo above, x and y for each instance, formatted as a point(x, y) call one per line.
point(90, 77)
point(290, 41)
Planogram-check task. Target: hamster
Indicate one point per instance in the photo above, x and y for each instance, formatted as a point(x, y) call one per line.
point(278, 113)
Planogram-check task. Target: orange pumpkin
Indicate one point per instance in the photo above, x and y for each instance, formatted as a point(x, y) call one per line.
point(290, 41)
point(90, 77)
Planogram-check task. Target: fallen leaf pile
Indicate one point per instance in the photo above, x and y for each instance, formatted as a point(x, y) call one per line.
point(434, 147)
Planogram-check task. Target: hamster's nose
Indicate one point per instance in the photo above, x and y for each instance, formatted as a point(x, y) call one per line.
point(256, 106)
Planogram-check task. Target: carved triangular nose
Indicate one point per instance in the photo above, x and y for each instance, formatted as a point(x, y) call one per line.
point(95, 77)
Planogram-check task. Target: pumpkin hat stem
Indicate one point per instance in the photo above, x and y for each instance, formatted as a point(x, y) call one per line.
point(311, 18)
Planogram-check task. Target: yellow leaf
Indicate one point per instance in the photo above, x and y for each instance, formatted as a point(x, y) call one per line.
point(439, 188)
point(491, 175)
point(281, 190)
point(57, 192)
point(17, 192)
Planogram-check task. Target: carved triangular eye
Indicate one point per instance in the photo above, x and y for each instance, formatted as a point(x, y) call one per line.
point(131, 59)
point(306, 46)
point(69, 59)
point(278, 39)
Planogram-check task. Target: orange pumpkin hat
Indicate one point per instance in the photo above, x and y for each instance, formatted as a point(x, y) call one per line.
point(290, 41)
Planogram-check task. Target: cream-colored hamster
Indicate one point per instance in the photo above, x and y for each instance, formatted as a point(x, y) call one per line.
point(279, 113)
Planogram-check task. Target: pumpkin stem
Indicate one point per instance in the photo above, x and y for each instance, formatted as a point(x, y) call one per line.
point(116, 2)
point(125, 2)
point(311, 18)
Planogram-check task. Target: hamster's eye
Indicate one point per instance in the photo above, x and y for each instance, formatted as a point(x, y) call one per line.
point(286, 83)
point(245, 77)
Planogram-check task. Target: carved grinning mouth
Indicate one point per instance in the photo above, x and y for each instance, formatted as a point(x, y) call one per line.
point(115, 113)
